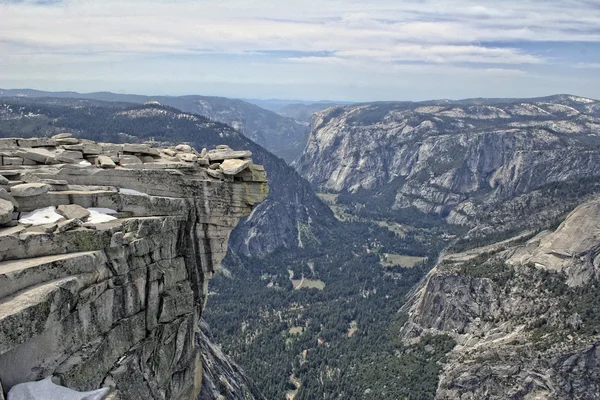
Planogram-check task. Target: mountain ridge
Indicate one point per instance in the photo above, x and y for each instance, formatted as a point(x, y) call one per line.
point(281, 135)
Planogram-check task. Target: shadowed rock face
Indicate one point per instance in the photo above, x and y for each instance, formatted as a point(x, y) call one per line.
point(221, 378)
point(113, 296)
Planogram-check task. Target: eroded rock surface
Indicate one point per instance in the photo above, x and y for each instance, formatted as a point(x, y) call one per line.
point(104, 274)
point(461, 160)
point(522, 313)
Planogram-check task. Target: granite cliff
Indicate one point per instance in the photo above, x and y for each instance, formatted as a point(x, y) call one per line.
point(454, 159)
point(106, 251)
point(289, 217)
point(523, 313)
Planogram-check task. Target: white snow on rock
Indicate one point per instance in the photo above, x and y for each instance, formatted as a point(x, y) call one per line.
point(41, 216)
point(131, 191)
point(102, 210)
point(100, 215)
point(47, 390)
point(86, 163)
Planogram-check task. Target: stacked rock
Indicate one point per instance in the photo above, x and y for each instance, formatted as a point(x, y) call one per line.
point(34, 170)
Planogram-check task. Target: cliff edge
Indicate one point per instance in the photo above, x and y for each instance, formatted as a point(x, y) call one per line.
point(105, 255)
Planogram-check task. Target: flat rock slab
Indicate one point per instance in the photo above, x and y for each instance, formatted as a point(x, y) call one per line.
point(12, 161)
point(29, 189)
point(30, 178)
point(48, 390)
point(37, 142)
point(188, 157)
point(234, 167)
point(186, 148)
point(217, 155)
point(41, 156)
point(6, 211)
point(69, 156)
point(62, 136)
point(85, 148)
point(106, 162)
point(141, 149)
point(64, 226)
point(8, 143)
point(67, 141)
point(215, 174)
point(73, 211)
point(125, 159)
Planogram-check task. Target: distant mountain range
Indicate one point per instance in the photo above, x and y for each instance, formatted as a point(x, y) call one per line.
point(283, 136)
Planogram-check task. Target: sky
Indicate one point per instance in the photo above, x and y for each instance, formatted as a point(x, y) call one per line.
point(308, 50)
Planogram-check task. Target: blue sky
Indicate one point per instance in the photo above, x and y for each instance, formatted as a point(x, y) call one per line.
point(327, 49)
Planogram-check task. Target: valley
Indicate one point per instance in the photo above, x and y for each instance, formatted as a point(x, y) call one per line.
point(430, 241)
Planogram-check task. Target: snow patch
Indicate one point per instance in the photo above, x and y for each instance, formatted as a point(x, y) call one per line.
point(581, 99)
point(41, 216)
point(97, 217)
point(131, 191)
point(86, 163)
point(47, 390)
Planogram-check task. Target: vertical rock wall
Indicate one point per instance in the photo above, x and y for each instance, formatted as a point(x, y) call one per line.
point(116, 303)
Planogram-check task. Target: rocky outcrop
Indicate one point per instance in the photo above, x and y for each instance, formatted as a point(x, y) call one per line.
point(522, 313)
point(452, 159)
point(104, 274)
point(290, 211)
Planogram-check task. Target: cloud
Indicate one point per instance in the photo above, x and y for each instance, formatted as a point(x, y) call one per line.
point(344, 26)
point(508, 37)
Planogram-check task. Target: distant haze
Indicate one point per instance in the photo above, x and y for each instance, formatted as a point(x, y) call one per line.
point(336, 50)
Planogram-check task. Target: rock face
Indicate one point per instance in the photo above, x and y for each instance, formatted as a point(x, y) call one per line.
point(453, 158)
point(522, 312)
point(112, 296)
point(222, 379)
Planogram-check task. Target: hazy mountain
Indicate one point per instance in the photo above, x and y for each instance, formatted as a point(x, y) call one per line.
point(280, 135)
point(304, 112)
point(277, 105)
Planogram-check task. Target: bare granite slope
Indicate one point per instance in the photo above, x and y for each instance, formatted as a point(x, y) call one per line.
point(458, 160)
point(523, 314)
point(105, 255)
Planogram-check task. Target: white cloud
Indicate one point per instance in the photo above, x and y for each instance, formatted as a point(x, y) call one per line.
point(238, 26)
point(85, 39)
